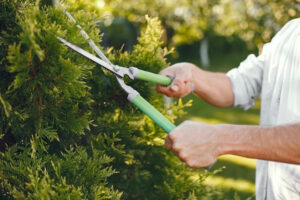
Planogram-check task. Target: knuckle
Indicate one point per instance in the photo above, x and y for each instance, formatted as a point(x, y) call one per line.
point(169, 71)
point(161, 89)
point(183, 156)
point(187, 122)
point(192, 123)
point(168, 145)
point(169, 95)
point(168, 139)
point(182, 95)
point(158, 88)
point(176, 95)
point(176, 147)
point(172, 136)
point(179, 82)
point(190, 163)
point(164, 71)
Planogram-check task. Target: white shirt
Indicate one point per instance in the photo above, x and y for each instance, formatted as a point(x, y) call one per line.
point(275, 76)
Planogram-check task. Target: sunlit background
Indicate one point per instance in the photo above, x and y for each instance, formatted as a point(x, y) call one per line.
point(214, 34)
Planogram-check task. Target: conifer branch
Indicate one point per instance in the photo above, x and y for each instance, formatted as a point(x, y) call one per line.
point(58, 77)
point(37, 85)
point(31, 66)
point(59, 100)
point(40, 100)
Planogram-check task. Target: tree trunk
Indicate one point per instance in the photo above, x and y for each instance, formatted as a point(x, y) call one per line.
point(204, 54)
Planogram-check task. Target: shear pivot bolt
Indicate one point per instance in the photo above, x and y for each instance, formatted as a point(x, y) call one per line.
point(116, 68)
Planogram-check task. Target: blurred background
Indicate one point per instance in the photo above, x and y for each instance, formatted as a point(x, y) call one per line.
point(215, 35)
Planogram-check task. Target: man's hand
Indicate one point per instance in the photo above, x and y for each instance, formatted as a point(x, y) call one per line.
point(197, 144)
point(214, 88)
point(182, 84)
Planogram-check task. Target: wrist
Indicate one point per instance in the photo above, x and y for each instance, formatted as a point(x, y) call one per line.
point(194, 70)
point(229, 139)
point(242, 140)
point(200, 80)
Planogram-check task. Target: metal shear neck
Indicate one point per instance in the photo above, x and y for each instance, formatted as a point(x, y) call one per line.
point(126, 88)
point(122, 71)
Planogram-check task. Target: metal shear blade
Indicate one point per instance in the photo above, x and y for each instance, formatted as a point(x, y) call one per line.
point(117, 70)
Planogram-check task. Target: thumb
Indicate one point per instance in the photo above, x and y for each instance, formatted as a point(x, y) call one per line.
point(174, 88)
point(177, 83)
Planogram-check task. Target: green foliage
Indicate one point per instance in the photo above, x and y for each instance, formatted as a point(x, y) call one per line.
point(185, 22)
point(46, 107)
point(255, 21)
point(34, 173)
point(67, 130)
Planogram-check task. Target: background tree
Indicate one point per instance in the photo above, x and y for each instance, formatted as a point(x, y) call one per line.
point(188, 22)
point(254, 21)
point(184, 21)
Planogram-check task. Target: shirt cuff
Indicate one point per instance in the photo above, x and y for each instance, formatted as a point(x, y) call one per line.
point(241, 98)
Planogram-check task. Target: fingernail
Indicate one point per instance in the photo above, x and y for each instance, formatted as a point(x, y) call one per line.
point(174, 88)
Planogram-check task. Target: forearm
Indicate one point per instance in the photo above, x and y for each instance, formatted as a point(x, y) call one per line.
point(214, 88)
point(278, 143)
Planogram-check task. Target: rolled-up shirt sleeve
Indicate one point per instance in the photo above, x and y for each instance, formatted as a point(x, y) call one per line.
point(246, 80)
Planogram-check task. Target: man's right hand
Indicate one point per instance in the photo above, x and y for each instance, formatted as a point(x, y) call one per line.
point(182, 84)
point(214, 88)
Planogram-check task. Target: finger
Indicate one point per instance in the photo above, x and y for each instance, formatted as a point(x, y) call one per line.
point(176, 89)
point(165, 90)
point(181, 87)
point(196, 160)
point(171, 90)
point(192, 164)
point(168, 72)
point(175, 134)
point(162, 89)
point(177, 147)
point(178, 82)
point(168, 142)
point(187, 89)
point(203, 163)
point(177, 143)
point(183, 156)
point(175, 153)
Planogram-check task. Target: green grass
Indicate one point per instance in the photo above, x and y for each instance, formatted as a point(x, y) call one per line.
point(237, 180)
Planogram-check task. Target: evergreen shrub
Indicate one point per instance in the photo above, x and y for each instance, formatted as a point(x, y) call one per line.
point(67, 129)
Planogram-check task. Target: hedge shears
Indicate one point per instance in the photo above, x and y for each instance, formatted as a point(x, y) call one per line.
point(120, 72)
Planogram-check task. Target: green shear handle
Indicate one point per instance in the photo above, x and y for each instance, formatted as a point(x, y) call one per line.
point(149, 110)
point(149, 76)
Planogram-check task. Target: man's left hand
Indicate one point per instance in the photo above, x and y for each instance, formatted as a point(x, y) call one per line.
point(197, 144)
